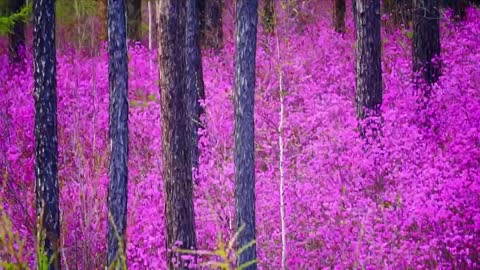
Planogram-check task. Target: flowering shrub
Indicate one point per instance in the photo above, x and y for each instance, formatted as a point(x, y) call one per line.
point(409, 200)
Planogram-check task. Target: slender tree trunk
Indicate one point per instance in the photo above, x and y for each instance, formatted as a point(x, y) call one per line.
point(134, 19)
point(46, 144)
point(426, 40)
point(102, 15)
point(17, 37)
point(118, 83)
point(459, 10)
point(176, 133)
point(399, 11)
point(339, 16)
point(368, 58)
point(268, 16)
point(195, 85)
point(211, 23)
point(244, 96)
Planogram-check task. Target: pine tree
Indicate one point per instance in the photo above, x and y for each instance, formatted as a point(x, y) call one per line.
point(244, 96)
point(176, 130)
point(46, 144)
point(118, 83)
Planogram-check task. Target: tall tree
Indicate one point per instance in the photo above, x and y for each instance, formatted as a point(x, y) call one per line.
point(46, 145)
point(176, 142)
point(211, 23)
point(118, 170)
point(339, 16)
point(458, 6)
point(368, 58)
point(194, 83)
point(134, 19)
point(17, 36)
point(102, 15)
point(244, 96)
point(268, 16)
point(399, 10)
point(426, 40)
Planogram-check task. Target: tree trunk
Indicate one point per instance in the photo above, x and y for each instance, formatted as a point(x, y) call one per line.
point(211, 23)
point(46, 145)
point(194, 84)
point(459, 10)
point(17, 37)
point(339, 16)
point(176, 133)
point(244, 96)
point(134, 19)
point(426, 40)
point(118, 84)
point(102, 15)
point(368, 58)
point(269, 16)
point(399, 11)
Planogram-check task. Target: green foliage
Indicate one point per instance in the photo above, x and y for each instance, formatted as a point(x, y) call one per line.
point(11, 247)
point(225, 252)
point(8, 22)
point(69, 11)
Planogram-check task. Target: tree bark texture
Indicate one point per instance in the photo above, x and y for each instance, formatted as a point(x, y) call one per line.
point(211, 27)
point(268, 16)
point(244, 97)
point(134, 19)
point(118, 170)
point(368, 58)
point(46, 144)
point(17, 37)
point(426, 40)
point(176, 133)
point(339, 16)
point(194, 83)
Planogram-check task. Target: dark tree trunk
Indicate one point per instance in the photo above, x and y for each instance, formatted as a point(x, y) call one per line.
point(400, 11)
point(134, 19)
point(118, 84)
point(211, 23)
point(17, 37)
point(244, 96)
point(426, 40)
point(339, 16)
point(269, 16)
point(459, 9)
point(46, 145)
point(354, 13)
point(368, 58)
point(176, 133)
point(194, 84)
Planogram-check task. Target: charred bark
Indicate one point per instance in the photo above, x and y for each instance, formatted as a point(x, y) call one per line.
point(46, 144)
point(194, 83)
point(368, 58)
point(176, 133)
point(426, 41)
point(118, 170)
point(244, 99)
point(17, 37)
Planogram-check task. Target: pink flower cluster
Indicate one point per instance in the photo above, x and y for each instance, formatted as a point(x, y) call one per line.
point(411, 200)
